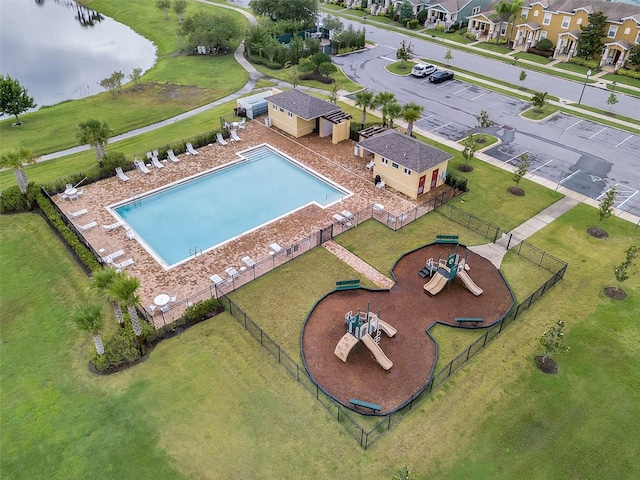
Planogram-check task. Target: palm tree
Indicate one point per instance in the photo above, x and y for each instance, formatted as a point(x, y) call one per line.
point(89, 318)
point(125, 289)
point(365, 100)
point(96, 134)
point(381, 100)
point(15, 159)
point(102, 281)
point(392, 110)
point(410, 113)
point(508, 10)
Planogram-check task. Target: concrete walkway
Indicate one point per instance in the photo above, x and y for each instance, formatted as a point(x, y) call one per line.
point(359, 265)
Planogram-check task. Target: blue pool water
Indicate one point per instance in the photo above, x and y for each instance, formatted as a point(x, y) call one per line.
point(212, 209)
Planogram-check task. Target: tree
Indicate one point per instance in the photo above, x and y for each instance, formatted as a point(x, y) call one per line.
point(591, 35)
point(179, 6)
point(539, 100)
point(508, 12)
point(135, 77)
point(96, 134)
point(522, 167)
point(333, 96)
point(448, 56)
point(125, 289)
point(381, 100)
point(405, 12)
point(469, 151)
point(411, 113)
point(611, 101)
point(392, 110)
point(404, 53)
point(14, 98)
point(101, 282)
point(523, 77)
point(333, 23)
point(303, 11)
point(327, 69)
point(89, 319)
point(15, 159)
point(255, 37)
point(553, 340)
point(209, 29)
point(622, 271)
point(484, 121)
point(164, 5)
point(365, 100)
point(605, 209)
point(110, 83)
point(634, 55)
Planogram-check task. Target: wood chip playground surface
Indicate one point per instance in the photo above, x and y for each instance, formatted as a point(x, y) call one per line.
point(410, 310)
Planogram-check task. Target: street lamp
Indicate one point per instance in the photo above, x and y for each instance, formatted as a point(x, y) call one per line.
point(584, 85)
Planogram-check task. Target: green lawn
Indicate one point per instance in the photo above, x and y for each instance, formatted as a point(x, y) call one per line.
point(534, 58)
point(400, 68)
point(494, 47)
point(538, 114)
point(621, 79)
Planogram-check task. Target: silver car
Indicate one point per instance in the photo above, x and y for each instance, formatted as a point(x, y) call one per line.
point(423, 69)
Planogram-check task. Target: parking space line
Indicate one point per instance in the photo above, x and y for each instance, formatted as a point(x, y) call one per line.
point(634, 194)
point(517, 156)
point(538, 168)
point(424, 118)
point(573, 125)
point(605, 192)
point(444, 84)
point(598, 132)
point(463, 89)
point(630, 136)
point(389, 59)
point(481, 95)
point(441, 126)
point(568, 177)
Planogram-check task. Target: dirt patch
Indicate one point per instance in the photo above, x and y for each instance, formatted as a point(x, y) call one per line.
point(548, 366)
point(615, 293)
point(597, 232)
point(465, 168)
point(409, 309)
point(517, 191)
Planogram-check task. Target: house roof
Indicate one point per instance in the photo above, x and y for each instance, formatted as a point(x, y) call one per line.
point(449, 6)
point(621, 43)
point(302, 104)
point(405, 150)
point(614, 11)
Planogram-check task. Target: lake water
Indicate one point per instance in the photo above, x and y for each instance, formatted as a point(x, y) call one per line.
point(60, 51)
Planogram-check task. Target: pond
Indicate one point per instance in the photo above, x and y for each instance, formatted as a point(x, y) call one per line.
point(60, 50)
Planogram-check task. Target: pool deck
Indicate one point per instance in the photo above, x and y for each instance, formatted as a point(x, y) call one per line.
point(336, 162)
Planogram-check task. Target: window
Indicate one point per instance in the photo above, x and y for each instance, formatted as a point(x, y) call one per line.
point(565, 22)
point(638, 38)
point(475, 10)
point(525, 12)
point(547, 19)
point(282, 109)
point(543, 35)
point(613, 29)
point(535, 13)
point(579, 21)
point(385, 161)
point(627, 31)
point(394, 165)
point(289, 114)
point(407, 171)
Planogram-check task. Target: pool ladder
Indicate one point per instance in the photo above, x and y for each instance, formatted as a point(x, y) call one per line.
point(195, 251)
point(135, 196)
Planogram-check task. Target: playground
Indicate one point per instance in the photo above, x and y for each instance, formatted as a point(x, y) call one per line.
point(339, 343)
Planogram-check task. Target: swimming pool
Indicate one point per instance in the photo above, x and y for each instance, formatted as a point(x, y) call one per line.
point(203, 212)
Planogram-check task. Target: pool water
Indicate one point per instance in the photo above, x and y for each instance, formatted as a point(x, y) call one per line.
point(205, 212)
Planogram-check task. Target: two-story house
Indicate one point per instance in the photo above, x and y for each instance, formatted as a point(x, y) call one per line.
point(449, 12)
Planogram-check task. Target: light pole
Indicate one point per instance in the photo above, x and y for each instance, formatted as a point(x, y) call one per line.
point(584, 85)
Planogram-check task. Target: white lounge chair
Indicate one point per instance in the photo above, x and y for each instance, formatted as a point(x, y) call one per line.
point(121, 174)
point(172, 156)
point(191, 150)
point(275, 248)
point(347, 214)
point(380, 185)
point(152, 308)
point(111, 227)
point(340, 219)
point(234, 136)
point(242, 122)
point(109, 258)
point(78, 213)
point(232, 272)
point(221, 139)
point(155, 153)
point(124, 264)
point(173, 298)
point(141, 166)
point(129, 233)
point(248, 261)
point(156, 162)
point(216, 279)
point(149, 155)
point(87, 226)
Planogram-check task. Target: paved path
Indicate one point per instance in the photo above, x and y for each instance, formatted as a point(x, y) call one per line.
point(358, 264)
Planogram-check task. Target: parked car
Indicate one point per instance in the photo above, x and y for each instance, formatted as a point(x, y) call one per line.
point(441, 76)
point(423, 69)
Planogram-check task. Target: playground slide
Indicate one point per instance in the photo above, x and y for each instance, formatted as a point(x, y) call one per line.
point(344, 346)
point(436, 284)
point(469, 283)
point(381, 358)
point(386, 328)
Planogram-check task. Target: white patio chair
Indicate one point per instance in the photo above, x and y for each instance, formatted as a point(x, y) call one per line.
point(234, 136)
point(111, 227)
point(87, 226)
point(78, 213)
point(156, 162)
point(248, 261)
point(152, 308)
point(141, 166)
point(124, 264)
point(216, 279)
point(191, 150)
point(221, 139)
point(121, 174)
point(275, 248)
point(172, 156)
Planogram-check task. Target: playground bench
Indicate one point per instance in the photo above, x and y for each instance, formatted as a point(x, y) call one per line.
point(359, 403)
point(347, 284)
point(469, 320)
point(446, 238)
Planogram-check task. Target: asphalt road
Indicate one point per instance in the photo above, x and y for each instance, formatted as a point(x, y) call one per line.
point(584, 156)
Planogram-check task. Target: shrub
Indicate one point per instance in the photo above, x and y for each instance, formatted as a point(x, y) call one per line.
point(545, 45)
point(541, 53)
point(496, 41)
point(623, 71)
point(439, 28)
point(422, 16)
point(458, 182)
point(201, 310)
point(119, 350)
point(470, 36)
point(12, 200)
point(592, 64)
point(412, 24)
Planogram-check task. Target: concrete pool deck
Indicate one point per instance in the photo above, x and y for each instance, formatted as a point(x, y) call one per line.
point(337, 162)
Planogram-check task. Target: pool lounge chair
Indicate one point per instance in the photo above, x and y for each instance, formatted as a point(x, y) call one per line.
point(234, 136)
point(155, 153)
point(121, 174)
point(151, 308)
point(156, 162)
point(149, 155)
point(172, 156)
point(87, 226)
point(242, 122)
point(191, 150)
point(111, 227)
point(221, 139)
point(216, 279)
point(248, 261)
point(124, 264)
point(340, 219)
point(78, 213)
point(232, 272)
point(141, 166)
point(347, 214)
point(275, 248)
point(109, 258)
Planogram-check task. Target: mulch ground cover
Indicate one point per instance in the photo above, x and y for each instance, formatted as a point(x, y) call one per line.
point(409, 309)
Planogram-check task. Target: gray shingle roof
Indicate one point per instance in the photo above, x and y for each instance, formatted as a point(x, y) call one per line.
point(302, 104)
point(406, 151)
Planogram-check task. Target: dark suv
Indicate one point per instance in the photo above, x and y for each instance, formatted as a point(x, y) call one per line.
point(441, 76)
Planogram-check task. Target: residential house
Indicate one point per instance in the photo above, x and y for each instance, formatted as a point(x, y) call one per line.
point(404, 163)
point(298, 114)
point(449, 12)
point(560, 21)
point(487, 24)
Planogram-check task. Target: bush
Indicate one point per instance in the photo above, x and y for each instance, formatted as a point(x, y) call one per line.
point(12, 200)
point(119, 350)
point(541, 53)
point(439, 28)
point(592, 64)
point(545, 45)
point(201, 310)
point(497, 41)
point(412, 24)
point(422, 16)
point(471, 36)
point(623, 71)
point(455, 181)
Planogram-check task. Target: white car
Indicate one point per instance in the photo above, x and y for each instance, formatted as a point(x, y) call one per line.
point(423, 70)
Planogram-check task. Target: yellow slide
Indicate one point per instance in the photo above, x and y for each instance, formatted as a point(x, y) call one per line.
point(386, 328)
point(344, 346)
point(469, 283)
point(436, 284)
point(381, 358)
